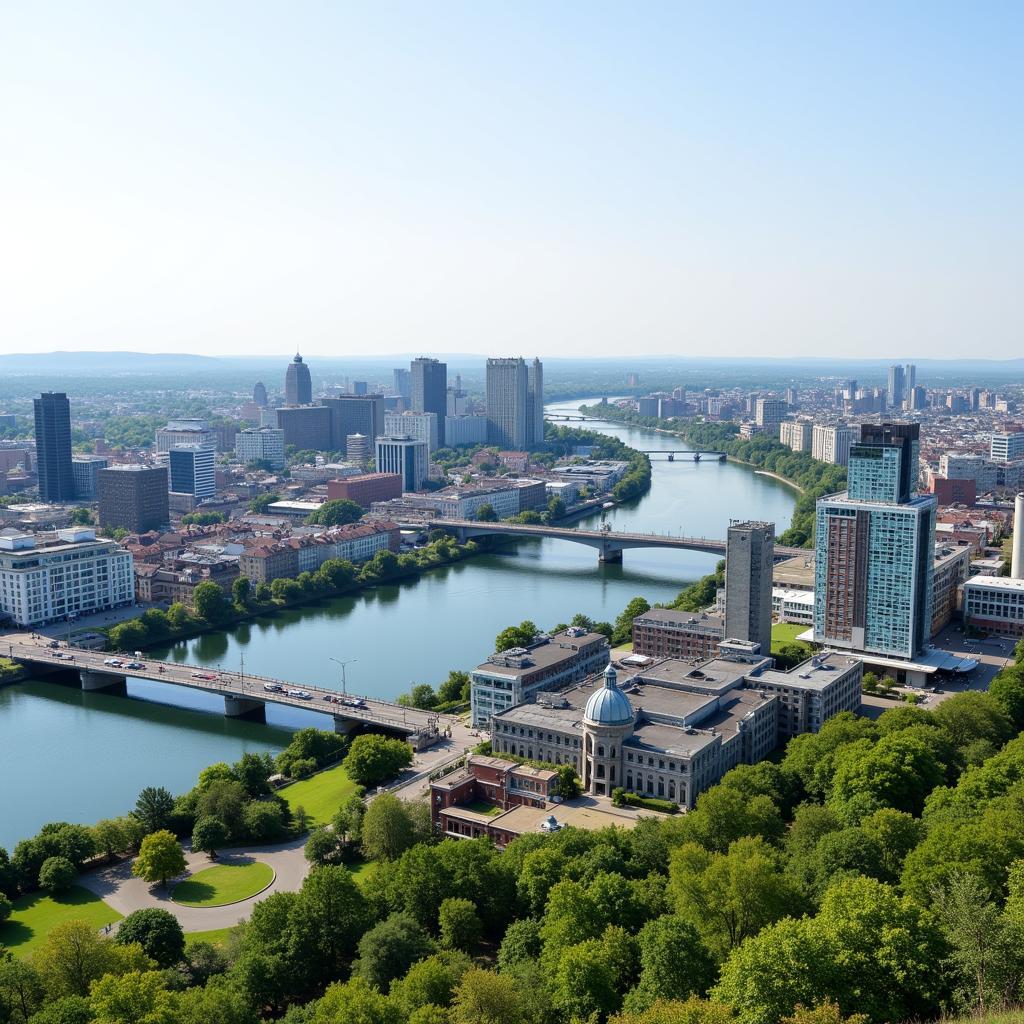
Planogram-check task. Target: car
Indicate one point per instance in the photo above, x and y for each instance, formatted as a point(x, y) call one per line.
point(53, 643)
point(57, 654)
point(302, 694)
point(108, 661)
point(354, 702)
point(273, 688)
point(197, 675)
point(209, 676)
point(328, 698)
point(117, 662)
point(134, 664)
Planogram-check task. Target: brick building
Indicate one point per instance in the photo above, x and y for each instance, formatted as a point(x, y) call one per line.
point(666, 633)
point(365, 488)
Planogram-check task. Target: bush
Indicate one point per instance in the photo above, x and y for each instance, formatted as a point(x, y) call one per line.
point(620, 798)
point(57, 874)
point(5, 908)
point(157, 932)
point(302, 768)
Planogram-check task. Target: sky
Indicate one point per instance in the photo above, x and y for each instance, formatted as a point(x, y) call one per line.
point(562, 178)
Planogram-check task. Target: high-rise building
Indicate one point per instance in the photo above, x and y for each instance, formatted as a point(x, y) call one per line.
point(306, 427)
point(259, 394)
point(535, 404)
point(405, 456)
point(133, 497)
point(357, 449)
point(53, 447)
point(430, 390)
point(421, 425)
point(749, 559)
point(769, 413)
point(191, 431)
point(918, 398)
point(261, 444)
point(298, 385)
point(355, 414)
point(792, 397)
point(909, 378)
point(84, 469)
point(796, 434)
point(191, 469)
point(1005, 447)
point(359, 387)
point(508, 388)
point(874, 552)
point(896, 387)
point(403, 383)
point(831, 443)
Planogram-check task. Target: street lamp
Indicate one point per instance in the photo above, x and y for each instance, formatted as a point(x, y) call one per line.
point(350, 661)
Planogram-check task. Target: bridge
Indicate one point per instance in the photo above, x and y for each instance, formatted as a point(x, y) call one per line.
point(609, 544)
point(557, 417)
point(245, 696)
point(687, 454)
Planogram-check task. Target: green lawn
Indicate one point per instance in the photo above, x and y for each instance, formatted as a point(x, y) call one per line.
point(786, 633)
point(361, 870)
point(483, 807)
point(321, 795)
point(223, 883)
point(37, 914)
point(215, 937)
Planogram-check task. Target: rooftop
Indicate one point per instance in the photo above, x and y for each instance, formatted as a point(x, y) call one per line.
point(995, 582)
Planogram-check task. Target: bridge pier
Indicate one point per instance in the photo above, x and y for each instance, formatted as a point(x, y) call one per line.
point(608, 554)
point(344, 726)
point(95, 682)
point(245, 707)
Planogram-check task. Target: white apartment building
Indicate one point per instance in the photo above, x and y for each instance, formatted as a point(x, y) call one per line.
point(185, 432)
point(831, 443)
point(1007, 447)
point(71, 575)
point(796, 434)
point(263, 444)
point(988, 474)
point(420, 425)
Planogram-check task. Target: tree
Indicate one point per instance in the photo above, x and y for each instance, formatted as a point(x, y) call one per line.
point(262, 502)
point(240, 590)
point(154, 808)
point(336, 512)
point(387, 828)
point(827, 1012)
point(224, 799)
point(353, 1002)
point(57, 874)
point(486, 998)
point(134, 996)
point(21, 989)
point(422, 696)
point(157, 932)
point(253, 771)
point(623, 631)
point(455, 687)
point(430, 982)
point(113, 836)
point(179, 616)
point(389, 949)
point(160, 857)
point(667, 1011)
point(569, 784)
point(264, 820)
point(73, 956)
point(210, 603)
point(81, 517)
point(972, 716)
point(584, 982)
point(674, 963)
point(516, 636)
point(208, 835)
point(371, 758)
point(323, 847)
point(1007, 690)
point(458, 924)
point(486, 514)
point(6, 907)
point(556, 508)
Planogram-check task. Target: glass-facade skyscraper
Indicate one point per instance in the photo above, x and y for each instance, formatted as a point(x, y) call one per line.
point(53, 446)
point(874, 550)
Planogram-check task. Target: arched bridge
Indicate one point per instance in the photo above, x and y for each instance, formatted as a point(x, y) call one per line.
point(609, 544)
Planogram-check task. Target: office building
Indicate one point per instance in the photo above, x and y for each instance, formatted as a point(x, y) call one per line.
point(875, 547)
point(749, 558)
point(359, 387)
point(917, 398)
point(406, 456)
point(298, 385)
point(85, 468)
point(831, 443)
point(366, 488)
point(667, 633)
point(189, 431)
point(465, 430)
point(306, 427)
point(421, 425)
point(896, 389)
point(402, 385)
point(259, 395)
point(769, 413)
point(1007, 446)
point(430, 391)
point(355, 414)
point(261, 444)
point(508, 389)
point(535, 404)
point(73, 575)
point(191, 468)
point(53, 447)
point(995, 604)
point(133, 497)
point(986, 474)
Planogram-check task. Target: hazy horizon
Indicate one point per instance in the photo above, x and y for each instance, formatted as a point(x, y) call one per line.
point(579, 180)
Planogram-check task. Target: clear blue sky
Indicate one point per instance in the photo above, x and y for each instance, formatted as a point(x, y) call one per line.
point(565, 178)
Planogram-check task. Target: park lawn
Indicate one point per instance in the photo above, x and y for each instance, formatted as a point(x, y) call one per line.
point(483, 807)
point(320, 795)
point(215, 936)
point(786, 633)
point(223, 884)
point(34, 916)
point(362, 870)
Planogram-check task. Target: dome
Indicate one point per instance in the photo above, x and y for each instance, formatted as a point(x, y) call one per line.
point(297, 359)
point(609, 705)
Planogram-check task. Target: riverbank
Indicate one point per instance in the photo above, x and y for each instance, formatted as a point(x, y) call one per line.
point(777, 476)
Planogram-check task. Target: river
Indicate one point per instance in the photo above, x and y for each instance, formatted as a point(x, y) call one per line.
point(67, 755)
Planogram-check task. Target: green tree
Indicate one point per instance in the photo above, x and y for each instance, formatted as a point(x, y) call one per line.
point(389, 949)
point(1007, 690)
point(179, 616)
point(21, 989)
point(154, 808)
point(972, 716)
point(323, 847)
point(160, 857)
point(455, 687)
point(73, 956)
point(422, 696)
point(430, 982)
point(136, 996)
point(240, 590)
point(210, 603)
point(458, 924)
point(674, 963)
point(81, 517)
point(157, 932)
point(669, 1011)
point(262, 502)
point(336, 512)
point(486, 514)
point(113, 836)
point(569, 784)
point(516, 636)
point(486, 998)
point(372, 758)
point(354, 1002)
point(623, 631)
point(208, 835)
point(57, 874)
point(387, 828)
point(225, 800)
point(253, 771)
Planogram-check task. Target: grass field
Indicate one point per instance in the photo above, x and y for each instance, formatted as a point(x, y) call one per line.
point(215, 937)
point(223, 883)
point(362, 870)
point(483, 807)
point(785, 633)
point(37, 914)
point(320, 795)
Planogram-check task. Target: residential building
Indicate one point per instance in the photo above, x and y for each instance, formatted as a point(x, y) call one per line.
point(831, 443)
point(406, 456)
point(769, 413)
point(749, 558)
point(994, 604)
point(298, 384)
point(261, 444)
point(988, 475)
point(421, 425)
point(366, 488)
point(464, 430)
point(357, 449)
point(53, 446)
point(667, 633)
point(306, 427)
point(795, 606)
point(1007, 446)
point(355, 414)
point(133, 497)
point(796, 434)
point(430, 392)
point(874, 554)
point(953, 492)
point(515, 403)
point(191, 470)
point(950, 570)
point(84, 469)
point(193, 431)
point(510, 677)
point(73, 574)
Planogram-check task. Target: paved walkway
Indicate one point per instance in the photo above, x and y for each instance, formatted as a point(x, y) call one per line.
point(125, 893)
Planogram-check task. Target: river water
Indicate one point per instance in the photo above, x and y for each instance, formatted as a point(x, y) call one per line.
point(68, 755)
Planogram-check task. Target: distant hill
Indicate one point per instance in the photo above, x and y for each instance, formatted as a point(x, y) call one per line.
point(103, 363)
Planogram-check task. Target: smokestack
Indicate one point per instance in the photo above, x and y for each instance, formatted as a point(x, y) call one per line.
point(1017, 563)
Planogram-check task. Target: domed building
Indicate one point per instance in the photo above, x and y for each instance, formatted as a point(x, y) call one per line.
point(608, 720)
point(298, 385)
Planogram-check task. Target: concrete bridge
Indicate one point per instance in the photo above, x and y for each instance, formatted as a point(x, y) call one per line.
point(554, 417)
point(686, 454)
point(245, 696)
point(609, 544)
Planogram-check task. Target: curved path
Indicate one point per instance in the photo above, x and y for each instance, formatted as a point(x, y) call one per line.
point(125, 893)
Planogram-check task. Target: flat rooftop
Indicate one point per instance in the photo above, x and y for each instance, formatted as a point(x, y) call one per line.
point(995, 582)
point(674, 617)
point(559, 647)
point(523, 819)
point(716, 675)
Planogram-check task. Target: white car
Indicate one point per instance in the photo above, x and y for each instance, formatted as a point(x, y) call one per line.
point(303, 694)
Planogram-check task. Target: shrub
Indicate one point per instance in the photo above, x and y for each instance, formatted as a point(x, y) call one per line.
point(57, 874)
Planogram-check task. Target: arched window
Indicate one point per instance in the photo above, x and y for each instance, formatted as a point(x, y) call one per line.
point(661, 787)
point(629, 781)
point(671, 791)
point(600, 750)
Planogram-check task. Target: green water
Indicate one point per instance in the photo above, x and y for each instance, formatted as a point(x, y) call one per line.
point(65, 755)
